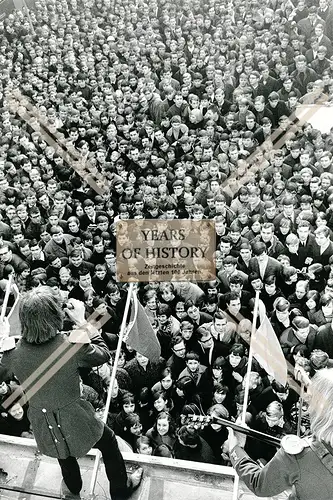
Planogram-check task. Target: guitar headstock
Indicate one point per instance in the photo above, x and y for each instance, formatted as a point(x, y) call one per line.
point(198, 421)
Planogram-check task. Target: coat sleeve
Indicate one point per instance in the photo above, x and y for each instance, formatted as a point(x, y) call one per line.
point(278, 475)
point(6, 365)
point(94, 354)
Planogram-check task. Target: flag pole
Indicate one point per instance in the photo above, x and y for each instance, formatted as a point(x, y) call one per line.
point(247, 383)
point(6, 298)
point(113, 378)
point(300, 410)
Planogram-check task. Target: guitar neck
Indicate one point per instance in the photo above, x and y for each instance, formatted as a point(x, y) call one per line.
point(266, 438)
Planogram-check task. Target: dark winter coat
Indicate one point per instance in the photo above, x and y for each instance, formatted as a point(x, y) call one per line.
point(63, 424)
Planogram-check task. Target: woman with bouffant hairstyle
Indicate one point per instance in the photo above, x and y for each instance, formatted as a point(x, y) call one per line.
point(64, 425)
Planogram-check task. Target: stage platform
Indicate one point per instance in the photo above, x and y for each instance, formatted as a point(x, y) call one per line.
point(28, 475)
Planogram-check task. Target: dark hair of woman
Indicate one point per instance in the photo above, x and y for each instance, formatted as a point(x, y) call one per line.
point(41, 315)
point(172, 425)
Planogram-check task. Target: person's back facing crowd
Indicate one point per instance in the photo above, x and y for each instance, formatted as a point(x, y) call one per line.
point(177, 110)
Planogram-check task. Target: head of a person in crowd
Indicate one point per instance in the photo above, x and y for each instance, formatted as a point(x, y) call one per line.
point(301, 289)
point(161, 401)
point(178, 346)
point(235, 232)
point(318, 198)
point(141, 359)
point(326, 305)
point(312, 300)
point(270, 285)
point(255, 281)
point(322, 236)
point(113, 293)
point(244, 330)
point(215, 412)
point(237, 352)
point(321, 219)
point(255, 381)
point(274, 414)
point(188, 436)
point(84, 279)
point(233, 303)
point(41, 315)
point(301, 328)
point(128, 402)
point(16, 411)
point(245, 252)
point(250, 121)
point(220, 368)
point(144, 445)
point(236, 284)
point(305, 202)
point(329, 282)
point(57, 234)
point(281, 307)
point(282, 391)
point(229, 264)
point(163, 313)
point(164, 424)
point(285, 226)
point(292, 243)
point(267, 232)
point(192, 362)
point(6, 253)
point(273, 99)
point(319, 360)
point(205, 339)
point(259, 251)
point(306, 172)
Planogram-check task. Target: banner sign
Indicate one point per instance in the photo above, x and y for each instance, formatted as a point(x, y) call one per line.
point(165, 250)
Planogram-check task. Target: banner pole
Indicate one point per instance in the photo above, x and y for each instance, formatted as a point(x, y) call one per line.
point(112, 380)
point(6, 298)
point(247, 384)
point(300, 410)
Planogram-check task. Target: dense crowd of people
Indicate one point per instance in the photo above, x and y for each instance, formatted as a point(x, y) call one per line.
point(184, 110)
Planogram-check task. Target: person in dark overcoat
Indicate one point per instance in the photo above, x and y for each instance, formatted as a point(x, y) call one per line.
point(303, 464)
point(46, 363)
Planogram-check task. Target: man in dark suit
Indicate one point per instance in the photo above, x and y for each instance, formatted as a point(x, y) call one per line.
point(88, 219)
point(307, 26)
point(59, 245)
point(307, 242)
point(323, 40)
point(288, 212)
point(210, 349)
point(311, 53)
point(303, 75)
point(267, 83)
point(229, 269)
point(261, 111)
point(323, 247)
point(261, 264)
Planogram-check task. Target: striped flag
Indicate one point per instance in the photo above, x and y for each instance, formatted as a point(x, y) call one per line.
point(267, 349)
point(140, 333)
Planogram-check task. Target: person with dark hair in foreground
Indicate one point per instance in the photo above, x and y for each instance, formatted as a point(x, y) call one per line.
point(64, 425)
